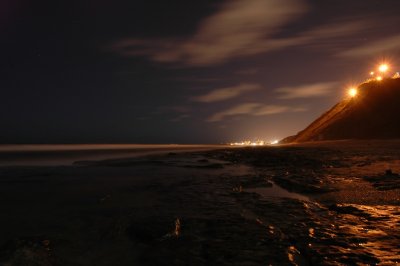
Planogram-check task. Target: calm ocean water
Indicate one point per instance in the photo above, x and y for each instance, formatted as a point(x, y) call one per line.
point(66, 154)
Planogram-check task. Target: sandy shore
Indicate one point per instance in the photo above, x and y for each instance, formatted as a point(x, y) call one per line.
point(333, 203)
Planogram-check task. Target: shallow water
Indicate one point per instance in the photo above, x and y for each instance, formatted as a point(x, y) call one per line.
point(276, 191)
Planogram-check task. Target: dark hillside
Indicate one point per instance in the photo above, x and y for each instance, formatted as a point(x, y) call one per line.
point(373, 114)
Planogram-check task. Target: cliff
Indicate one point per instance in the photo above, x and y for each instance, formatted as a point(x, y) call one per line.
point(372, 114)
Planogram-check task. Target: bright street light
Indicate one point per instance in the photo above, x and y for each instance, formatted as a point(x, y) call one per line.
point(352, 92)
point(383, 68)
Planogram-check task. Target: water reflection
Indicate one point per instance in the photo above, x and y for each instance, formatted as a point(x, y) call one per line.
point(359, 233)
point(277, 192)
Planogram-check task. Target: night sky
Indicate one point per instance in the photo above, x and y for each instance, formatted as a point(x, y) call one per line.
point(207, 71)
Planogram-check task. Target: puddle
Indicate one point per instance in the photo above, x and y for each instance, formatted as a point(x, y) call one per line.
point(276, 191)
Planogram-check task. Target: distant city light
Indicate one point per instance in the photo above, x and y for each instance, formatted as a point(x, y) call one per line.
point(372, 73)
point(254, 143)
point(383, 68)
point(248, 143)
point(379, 78)
point(352, 92)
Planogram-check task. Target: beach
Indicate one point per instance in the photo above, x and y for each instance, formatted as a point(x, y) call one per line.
point(323, 203)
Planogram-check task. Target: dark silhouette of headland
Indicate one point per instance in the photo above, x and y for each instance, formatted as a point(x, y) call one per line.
point(373, 113)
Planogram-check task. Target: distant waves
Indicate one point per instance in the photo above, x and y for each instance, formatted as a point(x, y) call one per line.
point(67, 154)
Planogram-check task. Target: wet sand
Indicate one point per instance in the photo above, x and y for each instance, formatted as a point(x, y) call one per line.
point(331, 203)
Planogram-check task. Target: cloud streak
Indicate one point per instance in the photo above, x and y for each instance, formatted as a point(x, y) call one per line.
point(248, 27)
point(271, 110)
point(240, 28)
point(306, 91)
point(253, 109)
point(245, 108)
point(385, 45)
point(226, 93)
point(180, 118)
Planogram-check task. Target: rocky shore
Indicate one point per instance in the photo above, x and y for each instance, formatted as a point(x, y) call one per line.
point(329, 203)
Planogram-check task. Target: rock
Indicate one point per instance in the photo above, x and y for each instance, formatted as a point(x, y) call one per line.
point(388, 172)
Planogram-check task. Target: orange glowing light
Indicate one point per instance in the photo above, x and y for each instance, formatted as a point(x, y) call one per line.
point(379, 78)
point(372, 73)
point(352, 92)
point(383, 68)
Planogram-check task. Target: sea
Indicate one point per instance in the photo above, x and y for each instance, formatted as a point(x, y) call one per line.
point(67, 154)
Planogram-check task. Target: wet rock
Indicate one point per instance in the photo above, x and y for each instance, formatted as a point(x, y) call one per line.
point(150, 230)
point(344, 209)
point(388, 181)
point(309, 183)
point(205, 166)
point(388, 172)
point(26, 251)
